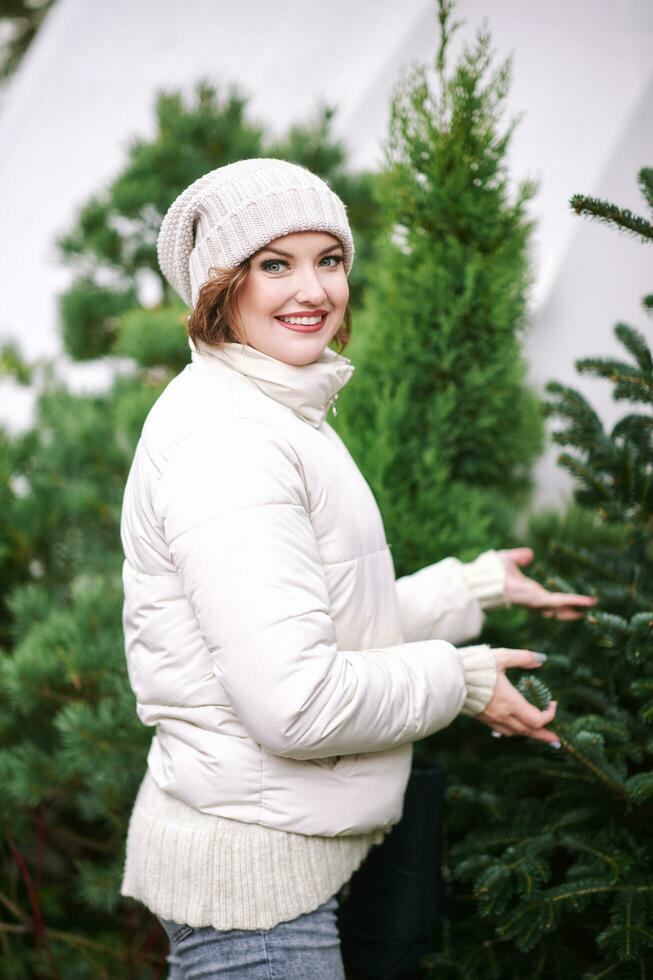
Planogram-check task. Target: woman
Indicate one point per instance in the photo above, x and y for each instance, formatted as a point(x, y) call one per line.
point(286, 671)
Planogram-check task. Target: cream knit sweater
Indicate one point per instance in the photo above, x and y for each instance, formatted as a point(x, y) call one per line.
point(203, 870)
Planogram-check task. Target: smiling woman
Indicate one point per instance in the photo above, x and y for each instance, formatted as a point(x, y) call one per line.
point(286, 669)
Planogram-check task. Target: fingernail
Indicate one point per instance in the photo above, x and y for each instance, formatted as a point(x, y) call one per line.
point(540, 657)
point(555, 745)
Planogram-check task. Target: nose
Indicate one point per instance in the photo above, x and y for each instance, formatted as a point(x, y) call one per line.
point(310, 289)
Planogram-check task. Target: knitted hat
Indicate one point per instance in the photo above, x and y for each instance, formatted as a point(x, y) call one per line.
point(232, 212)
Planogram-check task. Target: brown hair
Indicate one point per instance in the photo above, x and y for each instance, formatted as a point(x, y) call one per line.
point(215, 318)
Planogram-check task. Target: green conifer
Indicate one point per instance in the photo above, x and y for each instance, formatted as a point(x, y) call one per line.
point(556, 848)
point(439, 418)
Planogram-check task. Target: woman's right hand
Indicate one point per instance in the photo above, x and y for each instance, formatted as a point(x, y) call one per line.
point(508, 712)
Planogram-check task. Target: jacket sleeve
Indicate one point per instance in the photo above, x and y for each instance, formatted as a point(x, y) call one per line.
point(235, 515)
point(446, 600)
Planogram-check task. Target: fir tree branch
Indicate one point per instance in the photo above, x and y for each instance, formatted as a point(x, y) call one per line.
point(579, 816)
point(617, 788)
point(615, 371)
point(605, 973)
point(564, 893)
point(645, 181)
point(559, 775)
point(635, 343)
point(575, 844)
point(584, 473)
point(610, 214)
point(630, 383)
point(606, 572)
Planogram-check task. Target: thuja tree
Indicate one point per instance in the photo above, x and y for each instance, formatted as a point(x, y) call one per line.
point(439, 416)
point(557, 847)
point(73, 751)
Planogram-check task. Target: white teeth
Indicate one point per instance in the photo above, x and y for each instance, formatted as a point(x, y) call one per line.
point(304, 321)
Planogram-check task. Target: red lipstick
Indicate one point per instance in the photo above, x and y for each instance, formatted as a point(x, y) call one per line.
point(305, 313)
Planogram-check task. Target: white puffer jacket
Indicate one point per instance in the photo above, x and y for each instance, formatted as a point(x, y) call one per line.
point(286, 671)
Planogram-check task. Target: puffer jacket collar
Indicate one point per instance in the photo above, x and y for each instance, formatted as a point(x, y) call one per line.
point(309, 390)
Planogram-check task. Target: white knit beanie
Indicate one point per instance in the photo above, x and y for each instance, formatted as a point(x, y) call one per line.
point(232, 212)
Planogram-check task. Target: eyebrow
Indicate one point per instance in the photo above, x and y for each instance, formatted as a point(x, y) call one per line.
point(289, 255)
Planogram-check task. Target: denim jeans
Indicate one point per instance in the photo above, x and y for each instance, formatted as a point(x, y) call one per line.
point(305, 948)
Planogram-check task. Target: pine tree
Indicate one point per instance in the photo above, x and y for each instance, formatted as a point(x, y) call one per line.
point(557, 847)
point(73, 751)
point(439, 417)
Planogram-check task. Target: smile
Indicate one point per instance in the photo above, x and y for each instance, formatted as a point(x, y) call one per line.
point(303, 324)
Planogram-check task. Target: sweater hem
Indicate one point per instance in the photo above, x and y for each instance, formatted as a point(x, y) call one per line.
point(201, 870)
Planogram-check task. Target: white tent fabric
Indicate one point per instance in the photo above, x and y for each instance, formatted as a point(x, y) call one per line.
point(581, 77)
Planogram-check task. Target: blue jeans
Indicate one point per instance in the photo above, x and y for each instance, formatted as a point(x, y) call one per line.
point(305, 948)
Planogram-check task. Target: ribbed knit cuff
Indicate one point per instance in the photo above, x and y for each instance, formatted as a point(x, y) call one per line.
point(480, 667)
point(485, 578)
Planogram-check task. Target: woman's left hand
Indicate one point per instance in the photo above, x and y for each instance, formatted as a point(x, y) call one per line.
point(523, 591)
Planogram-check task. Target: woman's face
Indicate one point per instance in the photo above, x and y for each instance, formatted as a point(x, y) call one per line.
point(299, 276)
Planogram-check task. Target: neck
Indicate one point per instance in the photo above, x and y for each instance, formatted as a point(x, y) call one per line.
point(309, 390)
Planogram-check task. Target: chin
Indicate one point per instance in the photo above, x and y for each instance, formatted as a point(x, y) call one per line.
point(301, 354)
point(298, 359)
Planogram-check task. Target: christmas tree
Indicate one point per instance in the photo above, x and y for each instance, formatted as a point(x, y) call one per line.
point(557, 847)
point(440, 419)
point(73, 751)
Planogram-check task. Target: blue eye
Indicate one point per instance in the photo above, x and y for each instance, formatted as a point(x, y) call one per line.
point(337, 259)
